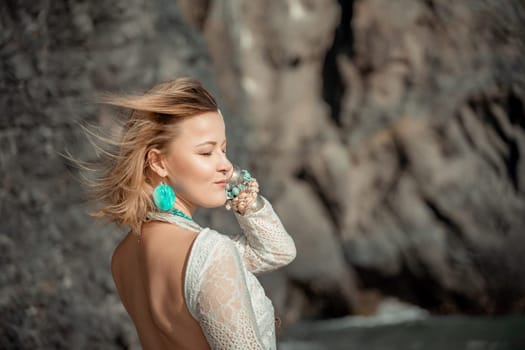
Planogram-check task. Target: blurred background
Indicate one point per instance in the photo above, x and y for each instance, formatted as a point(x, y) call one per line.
point(388, 134)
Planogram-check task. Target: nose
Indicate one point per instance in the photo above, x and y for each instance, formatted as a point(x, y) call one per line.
point(225, 166)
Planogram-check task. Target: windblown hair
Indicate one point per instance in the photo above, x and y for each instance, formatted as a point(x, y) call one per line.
point(123, 182)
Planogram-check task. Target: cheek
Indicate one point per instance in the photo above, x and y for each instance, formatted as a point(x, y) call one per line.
point(195, 177)
point(203, 168)
point(194, 169)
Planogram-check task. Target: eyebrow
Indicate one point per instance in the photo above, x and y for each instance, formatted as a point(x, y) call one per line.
point(210, 142)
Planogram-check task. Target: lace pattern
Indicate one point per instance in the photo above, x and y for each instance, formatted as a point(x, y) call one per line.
point(264, 244)
point(220, 289)
point(226, 305)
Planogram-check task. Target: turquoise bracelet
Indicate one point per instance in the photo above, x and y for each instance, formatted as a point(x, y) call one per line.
point(232, 191)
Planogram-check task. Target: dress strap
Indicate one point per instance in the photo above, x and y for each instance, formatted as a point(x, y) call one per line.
point(174, 219)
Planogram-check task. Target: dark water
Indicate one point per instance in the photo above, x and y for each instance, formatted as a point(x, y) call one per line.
point(428, 333)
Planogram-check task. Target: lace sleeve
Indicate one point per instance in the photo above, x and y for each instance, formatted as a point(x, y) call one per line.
point(264, 245)
point(223, 307)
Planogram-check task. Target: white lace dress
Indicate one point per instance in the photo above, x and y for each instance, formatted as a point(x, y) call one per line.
point(221, 290)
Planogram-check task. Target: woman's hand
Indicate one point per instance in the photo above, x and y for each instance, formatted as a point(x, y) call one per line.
point(242, 192)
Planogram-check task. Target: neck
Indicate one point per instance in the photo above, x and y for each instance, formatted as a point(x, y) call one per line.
point(185, 206)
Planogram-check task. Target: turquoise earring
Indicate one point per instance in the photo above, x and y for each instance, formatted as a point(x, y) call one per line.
point(164, 197)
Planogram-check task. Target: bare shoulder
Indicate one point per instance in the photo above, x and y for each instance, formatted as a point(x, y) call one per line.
point(116, 258)
point(165, 246)
point(120, 261)
point(158, 233)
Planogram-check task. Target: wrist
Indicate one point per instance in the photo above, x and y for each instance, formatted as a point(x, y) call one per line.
point(242, 192)
point(254, 206)
point(245, 199)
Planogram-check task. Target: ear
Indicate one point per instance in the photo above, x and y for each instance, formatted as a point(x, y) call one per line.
point(156, 162)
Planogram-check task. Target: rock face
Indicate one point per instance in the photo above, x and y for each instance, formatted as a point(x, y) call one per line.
point(388, 134)
point(433, 118)
point(404, 121)
point(56, 290)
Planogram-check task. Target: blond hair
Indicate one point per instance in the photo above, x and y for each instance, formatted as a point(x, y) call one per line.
point(122, 184)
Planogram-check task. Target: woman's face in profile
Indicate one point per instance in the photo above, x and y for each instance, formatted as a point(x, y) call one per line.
point(197, 160)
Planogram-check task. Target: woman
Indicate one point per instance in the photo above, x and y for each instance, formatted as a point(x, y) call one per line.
point(184, 286)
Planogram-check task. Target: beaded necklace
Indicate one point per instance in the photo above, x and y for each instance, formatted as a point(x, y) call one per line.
point(180, 213)
point(173, 216)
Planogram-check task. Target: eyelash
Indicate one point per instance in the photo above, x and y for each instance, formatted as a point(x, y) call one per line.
point(207, 154)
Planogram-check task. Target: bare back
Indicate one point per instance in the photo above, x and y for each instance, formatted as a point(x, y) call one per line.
point(150, 281)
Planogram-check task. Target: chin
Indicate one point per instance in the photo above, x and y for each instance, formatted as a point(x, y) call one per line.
point(214, 203)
